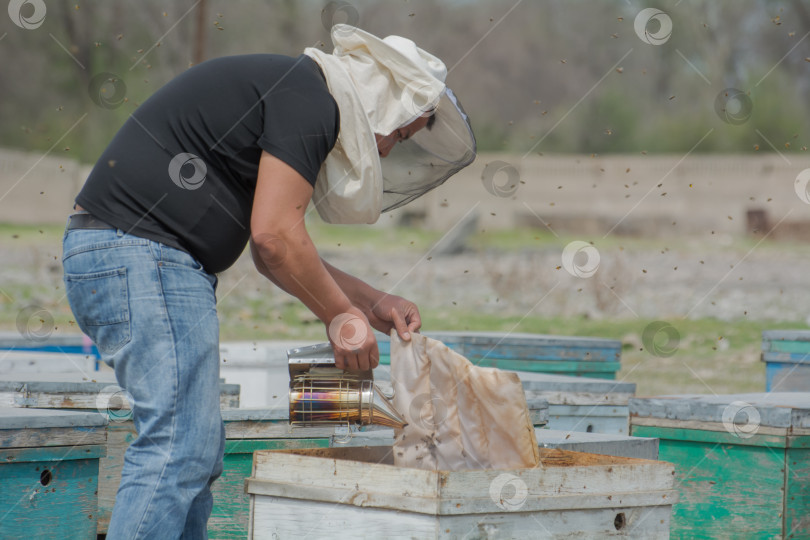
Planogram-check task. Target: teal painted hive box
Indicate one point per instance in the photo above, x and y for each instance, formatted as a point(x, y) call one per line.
point(786, 354)
point(49, 464)
point(742, 461)
point(99, 394)
point(592, 357)
point(248, 430)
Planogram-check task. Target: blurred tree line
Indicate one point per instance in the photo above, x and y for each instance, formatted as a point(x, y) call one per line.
point(557, 76)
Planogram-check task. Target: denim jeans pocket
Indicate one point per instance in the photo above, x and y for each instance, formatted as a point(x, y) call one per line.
point(100, 302)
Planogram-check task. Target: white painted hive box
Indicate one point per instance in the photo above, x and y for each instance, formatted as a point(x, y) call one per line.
point(359, 493)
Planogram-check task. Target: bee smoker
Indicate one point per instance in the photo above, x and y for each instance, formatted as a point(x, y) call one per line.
point(322, 393)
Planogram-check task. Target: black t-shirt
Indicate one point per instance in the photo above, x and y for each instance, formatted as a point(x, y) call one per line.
point(182, 170)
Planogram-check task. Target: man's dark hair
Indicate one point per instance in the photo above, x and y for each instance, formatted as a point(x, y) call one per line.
point(431, 121)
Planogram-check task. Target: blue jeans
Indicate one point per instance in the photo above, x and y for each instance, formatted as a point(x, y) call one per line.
point(151, 310)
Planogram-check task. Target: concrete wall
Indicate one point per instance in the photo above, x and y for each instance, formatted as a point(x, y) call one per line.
point(572, 194)
point(586, 195)
point(36, 189)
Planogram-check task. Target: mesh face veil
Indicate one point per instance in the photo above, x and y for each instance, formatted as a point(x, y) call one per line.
point(430, 156)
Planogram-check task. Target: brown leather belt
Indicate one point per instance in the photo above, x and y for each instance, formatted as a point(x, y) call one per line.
point(86, 221)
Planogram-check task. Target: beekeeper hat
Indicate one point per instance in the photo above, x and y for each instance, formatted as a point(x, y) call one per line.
point(381, 85)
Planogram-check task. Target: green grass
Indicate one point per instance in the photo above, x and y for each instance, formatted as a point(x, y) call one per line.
point(710, 356)
point(30, 235)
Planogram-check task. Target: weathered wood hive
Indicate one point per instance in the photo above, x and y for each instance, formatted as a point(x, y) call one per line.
point(359, 493)
point(563, 355)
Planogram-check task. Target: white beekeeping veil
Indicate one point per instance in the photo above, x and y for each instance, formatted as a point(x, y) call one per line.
point(381, 85)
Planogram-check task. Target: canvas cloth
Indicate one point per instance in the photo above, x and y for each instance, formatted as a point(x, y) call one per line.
point(460, 416)
point(381, 85)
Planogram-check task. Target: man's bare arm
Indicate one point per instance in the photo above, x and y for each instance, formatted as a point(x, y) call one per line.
point(286, 255)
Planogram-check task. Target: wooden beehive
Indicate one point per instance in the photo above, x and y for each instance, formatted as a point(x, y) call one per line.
point(582, 403)
point(562, 355)
point(742, 461)
point(49, 462)
point(359, 493)
point(786, 354)
point(99, 393)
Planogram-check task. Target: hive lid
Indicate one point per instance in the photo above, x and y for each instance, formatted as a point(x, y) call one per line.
point(786, 335)
point(23, 418)
point(516, 339)
point(773, 409)
point(546, 382)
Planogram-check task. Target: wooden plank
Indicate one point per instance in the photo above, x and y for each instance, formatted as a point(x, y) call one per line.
point(802, 358)
point(570, 367)
point(52, 453)
point(710, 426)
point(773, 409)
point(599, 443)
point(603, 370)
point(81, 395)
point(785, 335)
point(709, 437)
point(466, 503)
point(797, 492)
point(536, 347)
point(16, 418)
point(68, 436)
point(280, 518)
point(64, 508)
point(795, 348)
point(370, 476)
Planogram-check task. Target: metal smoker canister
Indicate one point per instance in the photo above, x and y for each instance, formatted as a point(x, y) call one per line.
point(321, 393)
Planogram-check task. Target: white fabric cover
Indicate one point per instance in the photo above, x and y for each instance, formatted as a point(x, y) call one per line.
point(381, 85)
point(460, 416)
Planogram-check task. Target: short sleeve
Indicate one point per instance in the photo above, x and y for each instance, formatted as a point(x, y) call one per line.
point(300, 127)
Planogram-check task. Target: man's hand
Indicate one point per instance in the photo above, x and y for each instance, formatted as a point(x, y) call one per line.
point(353, 341)
point(391, 311)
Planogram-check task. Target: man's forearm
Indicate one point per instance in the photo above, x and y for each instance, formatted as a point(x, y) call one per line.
point(361, 294)
point(293, 264)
